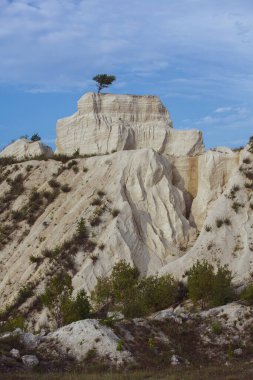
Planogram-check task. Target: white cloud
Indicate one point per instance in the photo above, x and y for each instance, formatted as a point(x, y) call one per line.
point(56, 44)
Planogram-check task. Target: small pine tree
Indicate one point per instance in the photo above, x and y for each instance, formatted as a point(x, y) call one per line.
point(103, 81)
point(81, 230)
point(35, 137)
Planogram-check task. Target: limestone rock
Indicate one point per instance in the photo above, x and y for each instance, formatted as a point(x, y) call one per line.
point(228, 242)
point(107, 122)
point(24, 148)
point(15, 353)
point(30, 360)
point(79, 338)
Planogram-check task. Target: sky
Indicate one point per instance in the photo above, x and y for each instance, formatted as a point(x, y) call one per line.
point(196, 55)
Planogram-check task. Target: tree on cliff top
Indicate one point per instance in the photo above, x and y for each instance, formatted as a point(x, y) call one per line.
point(103, 81)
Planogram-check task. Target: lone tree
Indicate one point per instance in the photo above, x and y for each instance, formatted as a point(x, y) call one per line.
point(103, 81)
point(35, 137)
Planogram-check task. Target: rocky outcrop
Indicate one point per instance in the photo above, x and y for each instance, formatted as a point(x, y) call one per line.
point(226, 226)
point(24, 148)
point(106, 123)
point(87, 337)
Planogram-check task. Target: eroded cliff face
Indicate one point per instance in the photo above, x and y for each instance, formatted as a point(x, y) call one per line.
point(107, 122)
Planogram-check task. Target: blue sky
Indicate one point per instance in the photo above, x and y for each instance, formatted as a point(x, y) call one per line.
point(196, 55)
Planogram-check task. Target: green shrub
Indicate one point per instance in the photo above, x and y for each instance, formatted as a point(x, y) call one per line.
point(115, 212)
point(35, 137)
point(58, 299)
point(71, 164)
point(209, 287)
point(101, 193)
point(217, 328)
point(219, 222)
point(247, 294)
point(75, 169)
point(35, 259)
point(96, 202)
point(124, 291)
point(13, 323)
point(53, 183)
point(81, 230)
point(65, 188)
point(119, 345)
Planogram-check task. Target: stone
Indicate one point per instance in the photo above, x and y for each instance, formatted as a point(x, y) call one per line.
point(238, 352)
point(29, 340)
point(30, 360)
point(24, 148)
point(15, 353)
point(78, 338)
point(175, 360)
point(106, 122)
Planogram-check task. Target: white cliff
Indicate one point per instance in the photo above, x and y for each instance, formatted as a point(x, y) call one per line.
point(105, 123)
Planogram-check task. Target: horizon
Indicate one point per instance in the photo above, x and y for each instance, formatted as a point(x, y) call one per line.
point(196, 56)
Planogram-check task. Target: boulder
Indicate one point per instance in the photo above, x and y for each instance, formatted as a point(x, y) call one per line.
point(30, 360)
point(79, 339)
point(15, 353)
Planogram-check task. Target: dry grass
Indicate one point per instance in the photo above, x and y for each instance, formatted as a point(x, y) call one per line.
point(233, 372)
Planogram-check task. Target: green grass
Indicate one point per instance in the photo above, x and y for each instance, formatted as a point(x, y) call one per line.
point(222, 372)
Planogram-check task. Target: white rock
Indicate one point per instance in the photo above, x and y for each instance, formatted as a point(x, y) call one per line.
point(30, 360)
point(175, 360)
point(78, 338)
point(107, 122)
point(238, 352)
point(15, 353)
point(24, 148)
point(29, 340)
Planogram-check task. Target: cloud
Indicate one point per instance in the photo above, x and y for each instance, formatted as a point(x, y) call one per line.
point(57, 44)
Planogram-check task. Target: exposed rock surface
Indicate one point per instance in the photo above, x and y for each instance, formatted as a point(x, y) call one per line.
point(106, 123)
point(30, 360)
point(24, 148)
point(83, 338)
point(148, 216)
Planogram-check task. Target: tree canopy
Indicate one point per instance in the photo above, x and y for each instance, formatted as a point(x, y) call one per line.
point(103, 81)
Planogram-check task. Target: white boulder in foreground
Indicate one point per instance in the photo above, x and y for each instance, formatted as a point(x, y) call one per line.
point(79, 338)
point(24, 148)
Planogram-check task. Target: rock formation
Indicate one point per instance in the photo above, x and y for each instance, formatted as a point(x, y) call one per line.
point(24, 148)
point(105, 123)
point(159, 201)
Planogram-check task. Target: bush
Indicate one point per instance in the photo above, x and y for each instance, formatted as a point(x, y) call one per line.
point(101, 193)
point(13, 323)
point(64, 308)
point(219, 222)
point(96, 202)
point(115, 212)
point(53, 183)
point(208, 287)
point(65, 188)
point(35, 137)
point(124, 291)
point(247, 294)
point(81, 230)
point(217, 328)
